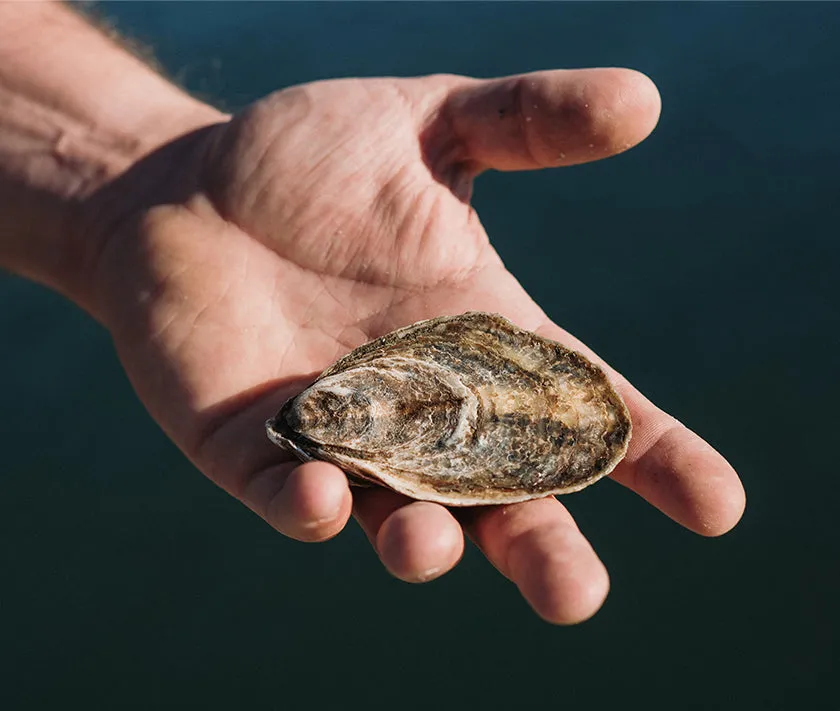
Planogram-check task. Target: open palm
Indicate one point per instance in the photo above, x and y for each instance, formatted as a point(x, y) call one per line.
point(256, 252)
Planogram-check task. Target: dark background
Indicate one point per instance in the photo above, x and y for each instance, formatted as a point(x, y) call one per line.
point(702, 264)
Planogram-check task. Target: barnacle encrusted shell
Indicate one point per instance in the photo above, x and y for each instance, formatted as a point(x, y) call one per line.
point(463, 410)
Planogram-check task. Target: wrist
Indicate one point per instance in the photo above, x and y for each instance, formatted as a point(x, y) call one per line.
point(135, 173)
point(76, 112)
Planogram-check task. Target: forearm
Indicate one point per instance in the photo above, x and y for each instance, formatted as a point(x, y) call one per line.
point(76, 111)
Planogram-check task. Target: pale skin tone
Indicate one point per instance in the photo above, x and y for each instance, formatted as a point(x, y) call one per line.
point(234, 259)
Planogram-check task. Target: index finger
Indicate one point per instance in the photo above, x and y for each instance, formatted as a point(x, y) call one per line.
point(667, 464)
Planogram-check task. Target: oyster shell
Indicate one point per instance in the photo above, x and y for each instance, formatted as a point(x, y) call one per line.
point(462, 410)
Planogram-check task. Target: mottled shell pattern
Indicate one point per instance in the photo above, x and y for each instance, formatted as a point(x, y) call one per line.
point(462, 410)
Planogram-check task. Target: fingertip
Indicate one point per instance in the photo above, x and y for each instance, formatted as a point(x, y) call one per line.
point(580, 600)
point(561, 577)
point(537, 545)
point(641, 97)
point(610, 110)
point(736, 505)
point(313, 505)
point(420, 542)
point(583, 603)
point(720, 507)
point(688, 479)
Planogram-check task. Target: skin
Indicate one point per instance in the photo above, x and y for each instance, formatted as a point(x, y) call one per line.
point(233, 259)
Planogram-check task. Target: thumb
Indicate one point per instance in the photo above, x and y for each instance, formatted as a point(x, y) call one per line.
point(543, 119)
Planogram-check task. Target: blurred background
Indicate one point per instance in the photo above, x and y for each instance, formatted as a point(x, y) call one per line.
point(702, 264)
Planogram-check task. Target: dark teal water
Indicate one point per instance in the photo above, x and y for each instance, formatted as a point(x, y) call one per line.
point(129, 581)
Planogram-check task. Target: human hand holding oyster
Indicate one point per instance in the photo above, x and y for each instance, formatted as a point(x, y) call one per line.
point(330, 214)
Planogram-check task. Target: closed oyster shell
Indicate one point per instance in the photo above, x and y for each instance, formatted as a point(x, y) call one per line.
point(462, 410)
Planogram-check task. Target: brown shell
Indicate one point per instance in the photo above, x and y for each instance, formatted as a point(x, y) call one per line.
point(463, 410)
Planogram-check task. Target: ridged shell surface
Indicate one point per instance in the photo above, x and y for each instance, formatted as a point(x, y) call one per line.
point(462, 410)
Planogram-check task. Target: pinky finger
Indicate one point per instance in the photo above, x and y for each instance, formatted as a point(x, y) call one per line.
point(310, 502)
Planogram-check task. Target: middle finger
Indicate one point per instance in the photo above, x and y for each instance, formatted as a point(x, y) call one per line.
point(538, 546)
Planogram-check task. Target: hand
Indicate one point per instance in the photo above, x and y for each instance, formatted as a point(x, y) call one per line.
point(237, 263)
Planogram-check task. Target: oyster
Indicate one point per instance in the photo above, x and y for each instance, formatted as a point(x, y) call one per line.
point(462, 410)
